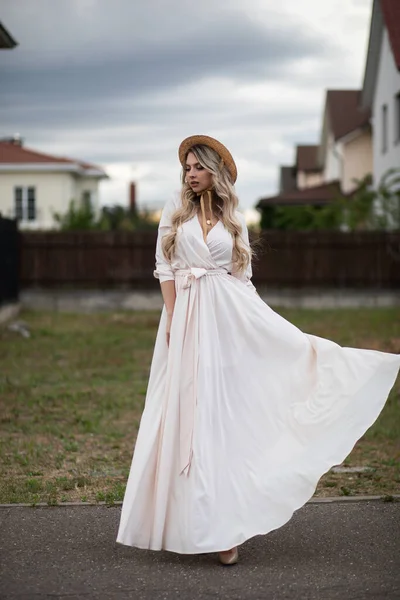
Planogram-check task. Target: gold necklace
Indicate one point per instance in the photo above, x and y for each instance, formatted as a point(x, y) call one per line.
point(209, 222)
point(206, 222)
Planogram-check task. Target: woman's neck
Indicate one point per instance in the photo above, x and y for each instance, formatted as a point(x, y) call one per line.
point(206, 207)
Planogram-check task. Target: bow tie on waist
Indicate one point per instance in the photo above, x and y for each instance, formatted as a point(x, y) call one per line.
point(194, 273)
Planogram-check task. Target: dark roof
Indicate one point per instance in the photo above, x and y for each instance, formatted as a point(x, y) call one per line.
point(287, 179)
point(6, 40)
point(391, 15)
point(344, 112)
point(307, 158)
point(12, 153)
point(317, 195)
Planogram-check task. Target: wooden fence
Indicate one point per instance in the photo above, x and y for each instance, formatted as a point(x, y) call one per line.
point(287, 259)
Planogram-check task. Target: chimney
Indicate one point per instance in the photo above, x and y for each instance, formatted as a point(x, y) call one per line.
point(15, 139)
point(132, 197)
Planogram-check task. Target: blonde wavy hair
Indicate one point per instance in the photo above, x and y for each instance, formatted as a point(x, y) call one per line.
point(226, 204)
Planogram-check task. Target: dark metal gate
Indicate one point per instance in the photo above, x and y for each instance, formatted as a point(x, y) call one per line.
point(9, 261)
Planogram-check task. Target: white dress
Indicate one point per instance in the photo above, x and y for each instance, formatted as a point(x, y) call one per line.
point(244, 412)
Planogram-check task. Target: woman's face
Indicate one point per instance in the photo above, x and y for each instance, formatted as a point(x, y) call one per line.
point(197, 176)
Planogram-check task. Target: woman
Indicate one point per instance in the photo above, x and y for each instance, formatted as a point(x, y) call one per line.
point(244, 412)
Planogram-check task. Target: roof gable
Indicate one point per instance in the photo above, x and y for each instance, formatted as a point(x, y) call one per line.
point(345, 114)
point(12, 154)
point(307, 158)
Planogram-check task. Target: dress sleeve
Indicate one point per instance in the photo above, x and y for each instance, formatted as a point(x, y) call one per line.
point(163, 270)
point(245, 276)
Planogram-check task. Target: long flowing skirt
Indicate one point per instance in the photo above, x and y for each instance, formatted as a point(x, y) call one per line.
point(244, 413)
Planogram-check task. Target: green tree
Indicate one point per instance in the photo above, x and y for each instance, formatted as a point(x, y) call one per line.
point(367, 208)
point(386, 214)
point(370, 208)
point(78, 216)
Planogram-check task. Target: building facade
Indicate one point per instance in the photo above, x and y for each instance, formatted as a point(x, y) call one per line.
point(35, 186)
point(381, 88)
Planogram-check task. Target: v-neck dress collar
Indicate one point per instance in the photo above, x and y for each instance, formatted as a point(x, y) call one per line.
point(199, 224)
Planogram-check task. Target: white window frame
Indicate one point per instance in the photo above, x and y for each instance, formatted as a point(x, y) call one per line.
point(25, 193)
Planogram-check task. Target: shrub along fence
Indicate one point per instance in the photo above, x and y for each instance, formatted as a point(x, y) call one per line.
point(287, 259)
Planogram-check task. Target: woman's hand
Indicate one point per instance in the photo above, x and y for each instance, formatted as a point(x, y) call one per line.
point(169, 320)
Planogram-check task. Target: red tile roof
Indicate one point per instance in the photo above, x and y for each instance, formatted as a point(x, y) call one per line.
point(391, 15)
point(317, 195)
point(345, 114)
point(12, 153)
point(307, 158)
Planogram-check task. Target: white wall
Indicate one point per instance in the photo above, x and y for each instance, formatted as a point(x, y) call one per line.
point(332, 160)
point(387, 86)
point(53, 194)
point(307, 179)
point(357, 160)
point(88, 184)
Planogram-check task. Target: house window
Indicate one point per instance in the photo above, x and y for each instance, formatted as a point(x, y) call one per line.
point(18, 208)
point(31, 204)
point(397, 113)
point(25, 203)
point(384, 128)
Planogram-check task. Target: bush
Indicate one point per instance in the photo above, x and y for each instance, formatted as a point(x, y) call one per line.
point(367, 208)
point(112, 218)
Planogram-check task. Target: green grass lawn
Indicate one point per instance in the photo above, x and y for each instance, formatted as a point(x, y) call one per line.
point(72, 394)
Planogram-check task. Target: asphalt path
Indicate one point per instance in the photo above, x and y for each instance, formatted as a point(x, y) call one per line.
point(326, 551)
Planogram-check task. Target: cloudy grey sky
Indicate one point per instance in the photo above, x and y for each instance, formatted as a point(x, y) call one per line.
point(121, 83)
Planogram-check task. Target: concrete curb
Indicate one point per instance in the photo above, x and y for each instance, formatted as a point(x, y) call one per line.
point(98, 300)
point(330, 499)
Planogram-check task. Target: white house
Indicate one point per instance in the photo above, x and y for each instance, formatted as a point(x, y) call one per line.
point(324, 171)
point(345, 149)
point(34, 185)
point(308, 171)
point(381, 87)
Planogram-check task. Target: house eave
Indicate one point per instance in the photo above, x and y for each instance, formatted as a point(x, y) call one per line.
point(373, 56)
point(94, 173)
point(74, 168)
point(316, 195)
point(352, 135)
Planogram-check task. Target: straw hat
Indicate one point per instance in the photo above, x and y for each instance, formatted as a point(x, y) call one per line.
point(223, 152)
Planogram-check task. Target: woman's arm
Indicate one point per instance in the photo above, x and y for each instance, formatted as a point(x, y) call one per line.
point(245, 276)
point(163, 270)
point(169, 295)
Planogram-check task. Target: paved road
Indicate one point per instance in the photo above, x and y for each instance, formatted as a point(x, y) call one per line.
point(325, 551)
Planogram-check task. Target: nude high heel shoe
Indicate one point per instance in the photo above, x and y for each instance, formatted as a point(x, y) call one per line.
point(229, 558)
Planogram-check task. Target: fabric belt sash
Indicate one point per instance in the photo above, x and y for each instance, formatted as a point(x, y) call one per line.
point(190, 362)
